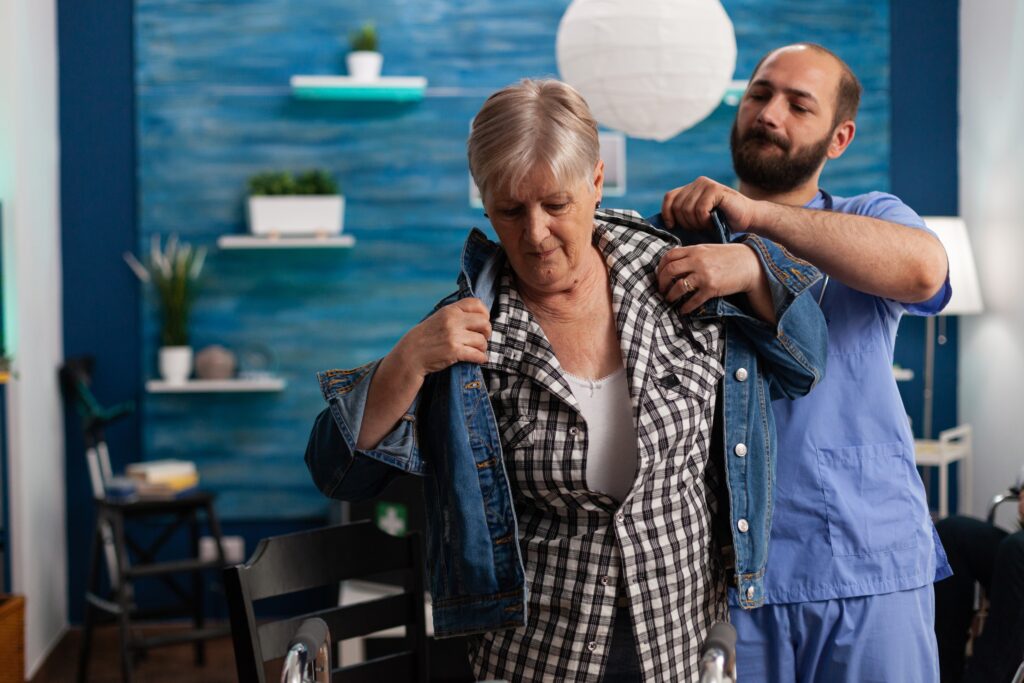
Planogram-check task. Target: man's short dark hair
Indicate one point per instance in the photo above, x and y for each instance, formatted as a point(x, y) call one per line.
point(848, 94)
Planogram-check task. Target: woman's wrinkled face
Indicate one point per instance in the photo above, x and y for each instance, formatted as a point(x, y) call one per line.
point(545, 227)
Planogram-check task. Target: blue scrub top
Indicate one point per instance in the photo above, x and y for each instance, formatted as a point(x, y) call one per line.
point(851, 518)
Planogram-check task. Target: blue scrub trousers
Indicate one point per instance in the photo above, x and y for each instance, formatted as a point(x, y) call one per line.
point(872, 639)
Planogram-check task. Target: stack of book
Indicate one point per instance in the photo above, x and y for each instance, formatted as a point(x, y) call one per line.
point(163, 478)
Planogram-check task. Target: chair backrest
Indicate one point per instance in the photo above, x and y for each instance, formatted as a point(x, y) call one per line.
point(999, 499)
point(287, 564)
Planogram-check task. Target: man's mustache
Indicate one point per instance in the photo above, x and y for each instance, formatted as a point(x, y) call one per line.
point(763, 135)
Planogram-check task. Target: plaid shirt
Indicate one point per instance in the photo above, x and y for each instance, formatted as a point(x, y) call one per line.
point(580, 546)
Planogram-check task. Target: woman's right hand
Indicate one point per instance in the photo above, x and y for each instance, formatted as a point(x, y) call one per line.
point(457, 332)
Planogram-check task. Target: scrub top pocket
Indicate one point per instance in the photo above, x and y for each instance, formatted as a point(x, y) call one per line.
point(866, 491)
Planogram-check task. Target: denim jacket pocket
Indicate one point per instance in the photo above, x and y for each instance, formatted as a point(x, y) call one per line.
point(867, 493)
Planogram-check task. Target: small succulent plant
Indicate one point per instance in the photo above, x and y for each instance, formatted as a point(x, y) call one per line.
point(365, 38)
point(312, 182)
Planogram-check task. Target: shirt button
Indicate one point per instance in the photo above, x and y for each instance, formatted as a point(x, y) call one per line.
point(750, 593)
point(741, 375)
point(743, 526)
point(604, 580)
point(620, 518)
point(740, 450)
point(592, 646)
point(573, 431)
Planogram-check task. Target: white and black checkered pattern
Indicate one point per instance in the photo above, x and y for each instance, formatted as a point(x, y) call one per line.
point(580, 548)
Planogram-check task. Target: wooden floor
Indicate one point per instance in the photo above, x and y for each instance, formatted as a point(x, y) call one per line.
point(176, 663)
point(162, 665)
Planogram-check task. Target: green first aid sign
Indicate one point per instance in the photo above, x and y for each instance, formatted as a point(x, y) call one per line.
point(392, 518)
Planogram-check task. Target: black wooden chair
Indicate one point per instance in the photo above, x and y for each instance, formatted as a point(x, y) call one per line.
point(283, 565)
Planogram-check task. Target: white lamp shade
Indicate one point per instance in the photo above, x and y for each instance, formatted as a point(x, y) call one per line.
point(963, 276)
point(649, 68)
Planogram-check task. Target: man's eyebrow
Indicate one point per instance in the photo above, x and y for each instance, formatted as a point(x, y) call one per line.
point(795, 92)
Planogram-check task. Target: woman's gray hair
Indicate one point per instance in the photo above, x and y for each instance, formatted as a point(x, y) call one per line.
point(532, 122)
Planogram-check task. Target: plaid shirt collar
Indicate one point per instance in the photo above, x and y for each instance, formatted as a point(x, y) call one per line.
point(518, 344)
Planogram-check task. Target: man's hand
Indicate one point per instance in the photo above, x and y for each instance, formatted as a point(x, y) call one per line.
point(699, 273)
point(690, 206)
point(868, 254)
point(457, 332)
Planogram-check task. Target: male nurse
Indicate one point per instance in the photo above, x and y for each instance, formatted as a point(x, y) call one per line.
point(853, 552)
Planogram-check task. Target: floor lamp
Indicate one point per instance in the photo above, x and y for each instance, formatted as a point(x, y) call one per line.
point(966, 299)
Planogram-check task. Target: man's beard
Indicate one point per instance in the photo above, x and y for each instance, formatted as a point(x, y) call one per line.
point(774, 173)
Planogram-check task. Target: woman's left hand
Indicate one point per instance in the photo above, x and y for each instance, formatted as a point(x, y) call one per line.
point(693, 275)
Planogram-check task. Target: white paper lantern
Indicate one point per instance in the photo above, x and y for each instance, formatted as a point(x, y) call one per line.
point(650, 68)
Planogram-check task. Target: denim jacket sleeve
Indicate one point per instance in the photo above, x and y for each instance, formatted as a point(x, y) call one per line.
point(795, 348)
point(340, 470)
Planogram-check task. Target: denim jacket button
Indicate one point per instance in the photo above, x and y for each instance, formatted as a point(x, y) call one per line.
point(743, 526)
point(592, 646)
point(741, 375)
point(750, 593)
point(740, 450)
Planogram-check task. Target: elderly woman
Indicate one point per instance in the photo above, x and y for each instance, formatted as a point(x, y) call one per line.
point(560, 409)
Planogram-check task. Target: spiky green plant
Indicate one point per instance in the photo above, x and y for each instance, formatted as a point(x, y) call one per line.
point(173, 271)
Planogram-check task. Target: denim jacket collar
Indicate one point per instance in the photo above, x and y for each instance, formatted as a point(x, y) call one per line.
point(481, 264)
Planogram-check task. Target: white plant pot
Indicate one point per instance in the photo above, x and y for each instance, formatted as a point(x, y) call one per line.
point(175, 363)
point(296, 215)
point(364, 65)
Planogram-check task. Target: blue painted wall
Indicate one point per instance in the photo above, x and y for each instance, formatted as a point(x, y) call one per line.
point(924, 169)
point(213, 108)
point(98, 223)
point(925, 173)
point(204, 84)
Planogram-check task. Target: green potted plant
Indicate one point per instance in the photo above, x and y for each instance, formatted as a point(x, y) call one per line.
point(173, 272)
point(364, 61)
point(309, 203)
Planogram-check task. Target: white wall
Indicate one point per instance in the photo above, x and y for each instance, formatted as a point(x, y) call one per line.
point(29, 190)
point(992, 203)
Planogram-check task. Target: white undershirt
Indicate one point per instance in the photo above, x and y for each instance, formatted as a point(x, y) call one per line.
point(611, 443)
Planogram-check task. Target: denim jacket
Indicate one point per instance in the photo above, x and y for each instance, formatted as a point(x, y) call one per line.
point(450, 437)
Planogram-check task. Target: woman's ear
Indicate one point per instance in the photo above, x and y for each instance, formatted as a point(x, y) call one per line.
point(599, 180)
